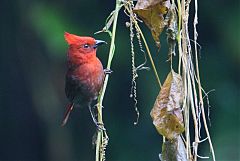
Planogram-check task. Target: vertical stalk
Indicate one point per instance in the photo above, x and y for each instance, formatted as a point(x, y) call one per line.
point(186, 72)
point(149, 54)
point(147, 48)
point(101, 133)
point(179, 35)
point(199, 82)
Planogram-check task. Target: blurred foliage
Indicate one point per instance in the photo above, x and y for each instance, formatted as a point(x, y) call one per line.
point(32, 67)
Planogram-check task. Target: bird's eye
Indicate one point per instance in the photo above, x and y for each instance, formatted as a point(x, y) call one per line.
point(86, 46)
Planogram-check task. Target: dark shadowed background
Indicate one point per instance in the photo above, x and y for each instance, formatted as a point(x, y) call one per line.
point(32, 69)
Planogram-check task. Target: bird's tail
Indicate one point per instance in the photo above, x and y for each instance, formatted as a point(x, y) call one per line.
point(67, 113)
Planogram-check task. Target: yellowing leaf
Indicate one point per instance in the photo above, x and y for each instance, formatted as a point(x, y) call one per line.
point(152, 13)
point(166, 113)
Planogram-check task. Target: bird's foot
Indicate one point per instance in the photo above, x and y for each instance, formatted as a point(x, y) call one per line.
point(107, 71)
point(100, 126)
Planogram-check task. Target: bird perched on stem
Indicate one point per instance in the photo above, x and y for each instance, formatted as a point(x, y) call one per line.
point(85, 73)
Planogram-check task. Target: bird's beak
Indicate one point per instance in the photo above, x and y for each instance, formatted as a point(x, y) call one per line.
point(99, 42)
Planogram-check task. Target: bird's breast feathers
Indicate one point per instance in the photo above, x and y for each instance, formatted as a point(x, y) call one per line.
point(88, 77)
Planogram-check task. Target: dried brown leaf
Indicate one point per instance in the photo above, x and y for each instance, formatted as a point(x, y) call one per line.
point(171, 30)
point(173, 150)
point(166, 113)
point(152, 12)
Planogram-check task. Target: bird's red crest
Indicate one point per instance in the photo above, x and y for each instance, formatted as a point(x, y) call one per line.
point(71, 38)
point(78, 40)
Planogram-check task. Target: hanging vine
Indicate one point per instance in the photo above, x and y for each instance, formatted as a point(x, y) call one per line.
point(181, 95)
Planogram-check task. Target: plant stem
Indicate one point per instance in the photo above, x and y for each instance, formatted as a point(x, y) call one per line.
point(149, 54)
point(147, 48)
point(179, 35)
point(102, 93)
point(199, 81)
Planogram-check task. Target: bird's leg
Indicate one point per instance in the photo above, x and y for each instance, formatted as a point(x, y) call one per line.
point(107, 71)
point(100, 126)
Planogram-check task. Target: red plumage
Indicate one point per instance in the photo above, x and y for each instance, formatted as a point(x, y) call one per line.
point(85, 74)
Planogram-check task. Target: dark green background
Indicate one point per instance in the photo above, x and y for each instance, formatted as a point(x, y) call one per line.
point(32, 69)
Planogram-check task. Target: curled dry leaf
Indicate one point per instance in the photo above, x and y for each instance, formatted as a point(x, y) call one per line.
point(166, 113)
point(152, 12)
point(173, 150)
point(172, 30)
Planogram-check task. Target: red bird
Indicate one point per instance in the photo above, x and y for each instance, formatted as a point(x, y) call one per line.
point(85, 74)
